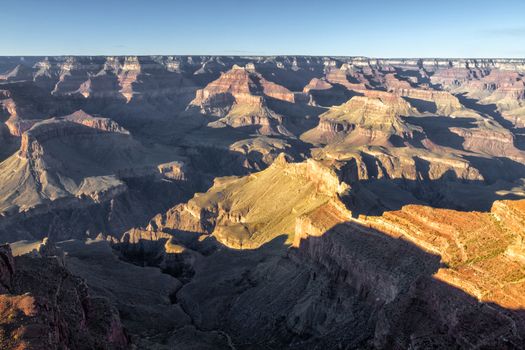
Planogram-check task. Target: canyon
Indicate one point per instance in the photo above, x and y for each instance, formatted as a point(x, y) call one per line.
point(272, 202)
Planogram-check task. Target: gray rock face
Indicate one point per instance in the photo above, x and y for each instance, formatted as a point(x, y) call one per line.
point(44, 306)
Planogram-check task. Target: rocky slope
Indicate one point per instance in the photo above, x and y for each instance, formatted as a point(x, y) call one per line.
point(42, 305)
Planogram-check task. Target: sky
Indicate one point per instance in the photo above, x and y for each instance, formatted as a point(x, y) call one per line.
point(373, 28)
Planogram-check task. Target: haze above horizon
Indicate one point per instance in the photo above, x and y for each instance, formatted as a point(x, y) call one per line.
point(386, 29)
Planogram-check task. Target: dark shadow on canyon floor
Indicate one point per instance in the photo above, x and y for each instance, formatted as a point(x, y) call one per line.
point(422, 106)
point(86, 218)
point(437, 129)
point(488, 109)
point(376, 195)
point(334, 96)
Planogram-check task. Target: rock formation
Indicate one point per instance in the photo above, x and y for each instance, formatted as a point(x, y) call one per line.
point(238, 97)
point(370, 119)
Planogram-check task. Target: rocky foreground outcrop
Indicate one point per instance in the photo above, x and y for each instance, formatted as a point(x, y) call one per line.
point(43, 306)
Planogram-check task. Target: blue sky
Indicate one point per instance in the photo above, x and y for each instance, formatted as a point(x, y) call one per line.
point(442, 28)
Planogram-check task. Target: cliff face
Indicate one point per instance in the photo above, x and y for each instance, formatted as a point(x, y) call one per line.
point(326, 235)
point(466, 242)
point(44, 306)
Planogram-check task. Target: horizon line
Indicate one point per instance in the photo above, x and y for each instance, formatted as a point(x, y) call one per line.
point(276, 55)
